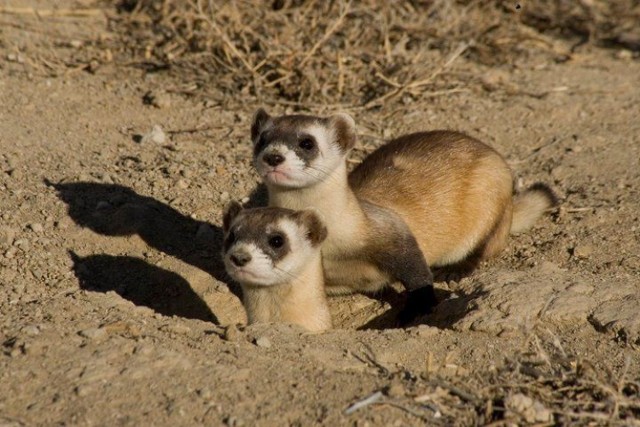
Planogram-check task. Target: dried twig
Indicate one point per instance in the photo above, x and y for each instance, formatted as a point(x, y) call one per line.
point(373, 398)
point(326, 36)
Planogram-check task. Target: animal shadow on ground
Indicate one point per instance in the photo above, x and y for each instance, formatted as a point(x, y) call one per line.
point(143, 284)
point(115, 210)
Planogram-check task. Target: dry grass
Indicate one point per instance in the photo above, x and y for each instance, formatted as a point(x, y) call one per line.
point(338, 54)
point(543, 385)
point(347, 54)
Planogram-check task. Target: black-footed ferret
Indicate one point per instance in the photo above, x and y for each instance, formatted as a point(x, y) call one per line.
point(274, 254)
point(440, 197)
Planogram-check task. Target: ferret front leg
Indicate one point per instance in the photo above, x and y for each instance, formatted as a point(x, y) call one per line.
point(405, 263)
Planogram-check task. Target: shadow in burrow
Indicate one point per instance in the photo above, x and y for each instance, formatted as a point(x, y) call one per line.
point(452, 307)
point(115, 210)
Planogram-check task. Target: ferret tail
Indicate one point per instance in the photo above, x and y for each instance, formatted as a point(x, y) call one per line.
point(529, 205)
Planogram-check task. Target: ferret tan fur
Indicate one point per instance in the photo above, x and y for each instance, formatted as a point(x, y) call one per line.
point(283, 284)
point(449, 193)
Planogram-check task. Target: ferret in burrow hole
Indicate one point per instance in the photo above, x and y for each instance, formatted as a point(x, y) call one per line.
point(274, 254)
point(439, 198)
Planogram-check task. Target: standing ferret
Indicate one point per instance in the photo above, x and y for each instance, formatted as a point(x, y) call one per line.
point(274, 254)
point(440, 197)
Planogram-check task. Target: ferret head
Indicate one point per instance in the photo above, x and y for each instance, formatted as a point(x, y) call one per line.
point(299, 151)
point(269, 246)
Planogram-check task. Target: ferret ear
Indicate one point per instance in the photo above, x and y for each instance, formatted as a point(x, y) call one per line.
point(344, 128)
point(316, 230)
point(260, 120)
point(231, 211)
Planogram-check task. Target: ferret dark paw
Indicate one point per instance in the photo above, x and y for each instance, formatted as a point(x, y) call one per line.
point(419, 303)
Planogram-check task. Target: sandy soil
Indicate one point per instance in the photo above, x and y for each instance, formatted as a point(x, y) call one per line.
point(115, 309)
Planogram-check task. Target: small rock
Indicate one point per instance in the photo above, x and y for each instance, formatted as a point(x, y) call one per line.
point(263, 342)
point(528, 409)
point(224, 197)
point(182, 184)
point(83, 390)
point(13, 57)
point(22, 244)
point(36, 227)
point(624, 54)
point(75, 44)
point(11, 252)
point(94, 334)
point(205, 393)
point(494, 79)
point(157, 99)
point(245, 200)
point(30, 330)
point(16, 174)
point(156, 135)
point(583, 251)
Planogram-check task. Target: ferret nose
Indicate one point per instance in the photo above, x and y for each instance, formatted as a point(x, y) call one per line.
point(240, 259)
point(273, 159)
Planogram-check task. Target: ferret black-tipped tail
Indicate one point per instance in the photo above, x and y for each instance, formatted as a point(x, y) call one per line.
point(529, 205)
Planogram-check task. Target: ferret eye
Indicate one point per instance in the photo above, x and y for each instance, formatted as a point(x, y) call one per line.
point(307, 144)
point(231, 238)
point(276, 241)
point(262, 142)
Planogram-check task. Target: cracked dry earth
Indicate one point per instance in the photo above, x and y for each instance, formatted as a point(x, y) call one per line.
point(114, 305)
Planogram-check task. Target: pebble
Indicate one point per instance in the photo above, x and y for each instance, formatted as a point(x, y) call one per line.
point(11, 252)
point(83, 390)
point(12, 57)
point(624, 54)
point(528, 409)
point(31, 330)
point(22, 244)
point(263, 342)
point(494, 79)
point(205, 393)
point(36, 227)
point(225, 197)
point(158, 99)
point(94, 334)
point(583, 251)
point(182, 184)
point(156, 135)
